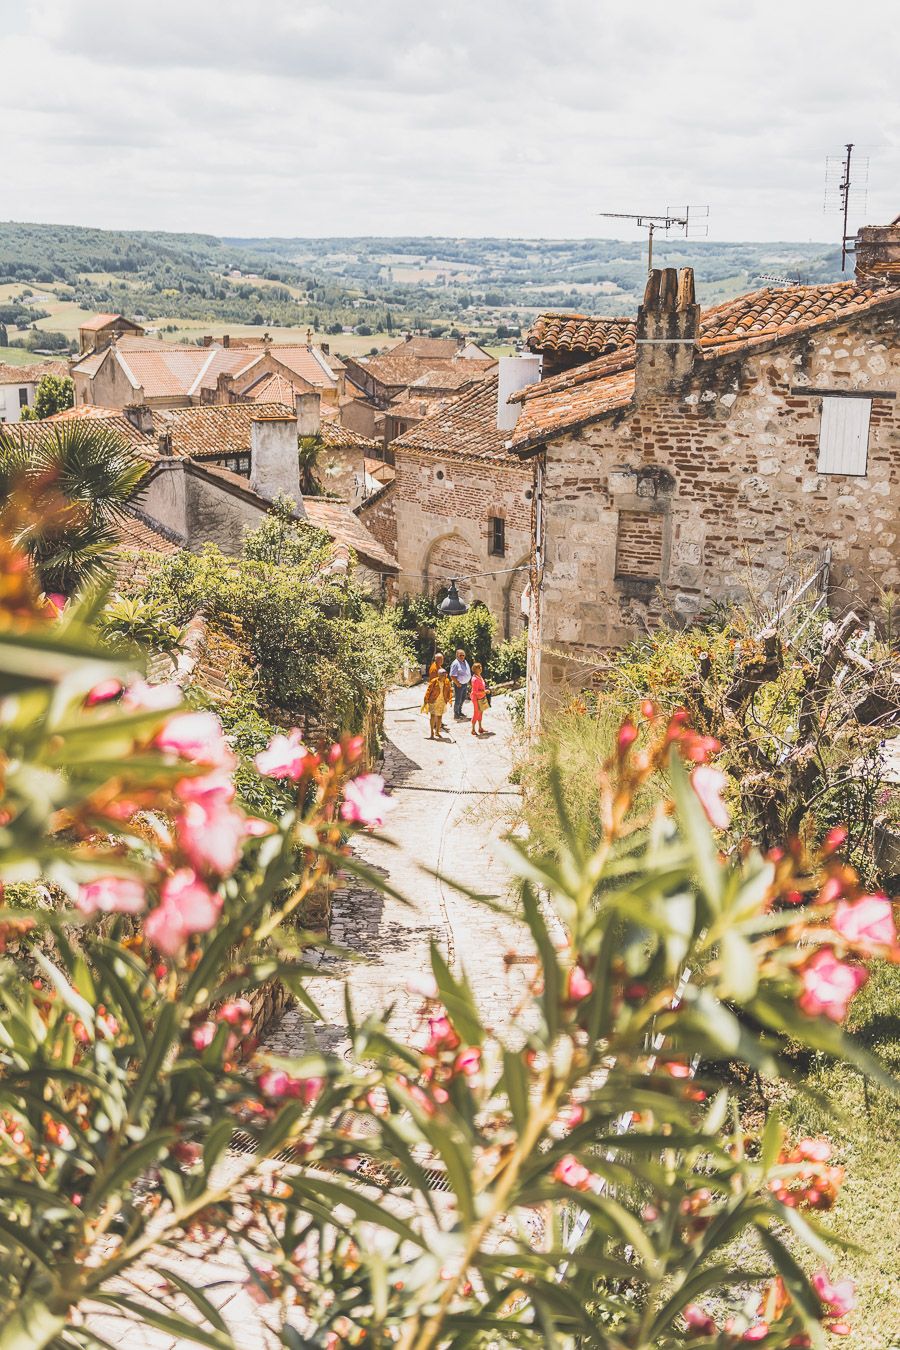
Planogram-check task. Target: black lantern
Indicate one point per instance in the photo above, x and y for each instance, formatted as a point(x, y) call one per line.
point(451, 603)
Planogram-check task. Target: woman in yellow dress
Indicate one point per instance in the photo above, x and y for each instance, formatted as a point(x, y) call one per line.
point(438, 694)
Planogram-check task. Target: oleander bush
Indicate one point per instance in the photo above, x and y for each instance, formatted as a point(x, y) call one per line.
point(596, 1181)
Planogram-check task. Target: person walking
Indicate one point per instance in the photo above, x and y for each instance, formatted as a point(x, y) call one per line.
point(461, 675)
point(479, 695)
point(438, 693)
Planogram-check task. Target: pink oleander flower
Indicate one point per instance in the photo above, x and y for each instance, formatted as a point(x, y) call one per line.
point(284, 757)
point(277, 1084)
point(829, 985)
point(757, 1333)
point(235, 1011)
point(468, 1062)
point(365, 802)
point(203, 1035)
point(708, 784)
point(254, 828)
point(187, 906)
point(196, 736)
point(868, 921)
point(57, 601)
point(103, 692)
point(579, 986)
point(698, 1321)
point(207, 788)
point(838, 1299)
point(833, 839)
point(830, 891)
point(573, 1173)
point(814, 1150)
point(112, 895)
point(143, 697)
point(627, 736)
point(211, 836)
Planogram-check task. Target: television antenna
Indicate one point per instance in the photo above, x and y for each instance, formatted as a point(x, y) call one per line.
point(842, 191)
point(777, 280)
point(666, 221)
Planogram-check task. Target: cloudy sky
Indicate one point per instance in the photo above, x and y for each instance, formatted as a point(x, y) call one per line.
point(462, 117)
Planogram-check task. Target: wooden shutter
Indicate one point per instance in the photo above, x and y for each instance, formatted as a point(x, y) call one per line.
point(844, 435)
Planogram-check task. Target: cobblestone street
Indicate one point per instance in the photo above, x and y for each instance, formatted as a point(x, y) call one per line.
point(454, 802)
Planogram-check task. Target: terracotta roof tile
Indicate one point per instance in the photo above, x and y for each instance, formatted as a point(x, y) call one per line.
point(346, 528)
point(98, 321)
point(32, 373)
point(213, 428)
point(111, 419)
point(571, 404)
point(271, 388)
point(467, 427)
point(398, 369)
point(590, 334)
point(134, 533)
point(777, 313)
point(307, 362)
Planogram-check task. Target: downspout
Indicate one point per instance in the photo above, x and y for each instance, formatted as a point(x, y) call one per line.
point(535, 617)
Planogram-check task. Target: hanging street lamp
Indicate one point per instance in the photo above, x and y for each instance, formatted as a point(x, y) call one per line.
point(451, 603)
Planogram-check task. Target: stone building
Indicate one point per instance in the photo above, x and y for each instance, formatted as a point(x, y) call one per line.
point(461, 504)
point(716, 456)
point(102, 329)
point(214, 472)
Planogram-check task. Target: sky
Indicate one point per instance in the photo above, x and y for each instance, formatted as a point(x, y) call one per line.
point(444, 117)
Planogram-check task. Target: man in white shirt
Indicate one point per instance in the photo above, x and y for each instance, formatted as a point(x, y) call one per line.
point(461, 675)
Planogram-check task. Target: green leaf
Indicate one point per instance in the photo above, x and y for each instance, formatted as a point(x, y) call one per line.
point(135, 1161)
point(198, 1298)
point(457, 998)
point(697, 832)
point(740, 976)
point(515, 1081)
point(166, 1320)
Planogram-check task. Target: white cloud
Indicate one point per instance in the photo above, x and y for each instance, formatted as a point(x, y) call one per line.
point(520, 117)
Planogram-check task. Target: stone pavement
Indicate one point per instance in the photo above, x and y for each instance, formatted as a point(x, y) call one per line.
point(454, 804)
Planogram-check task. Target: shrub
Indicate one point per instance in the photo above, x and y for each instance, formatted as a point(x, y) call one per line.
point(508, 662)
point(474, 631)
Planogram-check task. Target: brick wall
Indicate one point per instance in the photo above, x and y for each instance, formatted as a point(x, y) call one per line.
point(379, 516)
point(639, 545)
point(727, 467)
point(443, 505)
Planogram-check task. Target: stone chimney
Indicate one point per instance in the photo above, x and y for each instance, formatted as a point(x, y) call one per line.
point(878, 253)
point(667, 324)
point(226, 340)
point(164, 444)
point(224, 387)
point(207, 340)
point(309, 414)
point(140, 417)
point(274, 457)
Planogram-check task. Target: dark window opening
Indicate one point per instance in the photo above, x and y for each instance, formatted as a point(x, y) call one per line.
point(496, 536)
point(23, 398)
point(237, 463)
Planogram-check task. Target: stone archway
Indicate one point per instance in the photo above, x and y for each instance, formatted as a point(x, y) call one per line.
point(450, 556)
point(511, 618)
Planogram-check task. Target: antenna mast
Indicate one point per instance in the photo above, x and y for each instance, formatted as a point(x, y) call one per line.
point(663, 221)
point(840, 194)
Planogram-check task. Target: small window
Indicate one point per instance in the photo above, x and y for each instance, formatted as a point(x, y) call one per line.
point(844, 436)
point(23, 398)
point(496, 536)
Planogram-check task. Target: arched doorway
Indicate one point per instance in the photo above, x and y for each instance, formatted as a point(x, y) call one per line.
point(448, 557)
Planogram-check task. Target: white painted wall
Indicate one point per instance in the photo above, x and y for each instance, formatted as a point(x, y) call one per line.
point(10, 408)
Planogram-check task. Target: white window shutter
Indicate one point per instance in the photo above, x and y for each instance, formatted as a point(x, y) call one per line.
point(844, 435)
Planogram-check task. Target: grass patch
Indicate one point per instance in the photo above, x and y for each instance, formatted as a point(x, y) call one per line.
point(866, 1141)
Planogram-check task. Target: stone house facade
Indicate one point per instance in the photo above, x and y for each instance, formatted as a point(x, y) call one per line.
point(462, 505)
point(714, 459)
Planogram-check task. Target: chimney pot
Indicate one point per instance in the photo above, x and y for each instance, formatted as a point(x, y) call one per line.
point(164, 443)
point(274, 458)
point(140, 417)
point(667, 324)
point(226, 340)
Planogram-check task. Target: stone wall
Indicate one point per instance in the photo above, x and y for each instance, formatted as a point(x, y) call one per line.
point(712, 491)
point(443, 505)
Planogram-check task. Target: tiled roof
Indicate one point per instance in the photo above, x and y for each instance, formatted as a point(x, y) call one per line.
point(110, 419)
point(100, 321)
point(335, 434)
point(32, 373)
point(213, 428)
point(307, 362)
point(425, 346)
point(589, 334)
point(134, 533)
point(467, 427)
point(565, 405)
point(222, 361)
point(400, 369)
point(346, 528)
point(89, 365)
point(773, 314)
point(578, 397)
point(271, 388)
